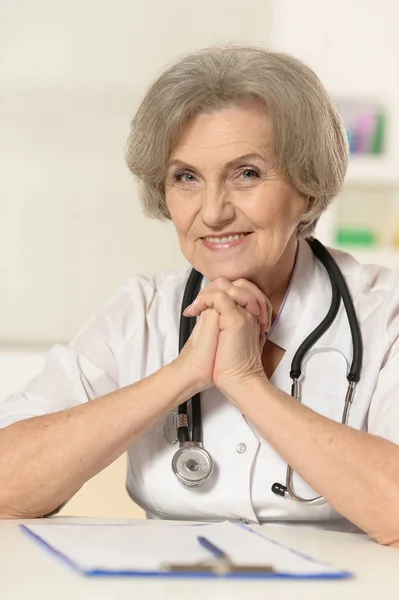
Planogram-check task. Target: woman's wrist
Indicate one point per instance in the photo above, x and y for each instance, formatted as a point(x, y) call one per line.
point(241, 392)
point(186, 385)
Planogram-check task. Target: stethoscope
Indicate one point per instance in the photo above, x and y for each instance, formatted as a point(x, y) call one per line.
point(192, 464)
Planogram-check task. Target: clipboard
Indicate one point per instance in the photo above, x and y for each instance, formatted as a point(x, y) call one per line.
point(172, 550)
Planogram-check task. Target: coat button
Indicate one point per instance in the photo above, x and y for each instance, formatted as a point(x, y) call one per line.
point(241, 448)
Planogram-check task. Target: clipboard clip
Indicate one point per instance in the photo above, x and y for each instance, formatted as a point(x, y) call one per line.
point(217, 567)
point(220, 565)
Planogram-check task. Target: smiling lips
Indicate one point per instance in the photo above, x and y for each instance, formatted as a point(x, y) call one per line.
point(224, 242)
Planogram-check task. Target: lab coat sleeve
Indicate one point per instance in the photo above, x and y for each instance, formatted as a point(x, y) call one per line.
point(383, 415)
point(88, 367)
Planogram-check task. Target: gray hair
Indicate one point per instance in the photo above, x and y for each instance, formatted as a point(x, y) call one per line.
point(310, 144)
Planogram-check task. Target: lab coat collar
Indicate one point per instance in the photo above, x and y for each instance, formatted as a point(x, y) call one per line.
point(297, 297)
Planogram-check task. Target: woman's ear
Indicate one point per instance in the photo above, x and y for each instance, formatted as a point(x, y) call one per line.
point(310, 201)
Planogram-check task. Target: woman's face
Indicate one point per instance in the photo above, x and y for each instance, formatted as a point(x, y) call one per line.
point(234, 215)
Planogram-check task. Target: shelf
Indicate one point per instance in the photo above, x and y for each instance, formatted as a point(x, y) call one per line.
point(372, 170)
point(388, 257)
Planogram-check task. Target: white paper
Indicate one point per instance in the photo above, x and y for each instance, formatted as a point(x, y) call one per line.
point(136, 548)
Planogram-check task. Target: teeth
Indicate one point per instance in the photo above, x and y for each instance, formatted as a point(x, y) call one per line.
point(223, 240)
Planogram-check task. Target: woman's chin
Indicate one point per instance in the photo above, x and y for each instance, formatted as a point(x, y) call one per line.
point(230, 272)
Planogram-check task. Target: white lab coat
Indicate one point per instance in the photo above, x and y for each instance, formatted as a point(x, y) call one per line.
point(136, 333)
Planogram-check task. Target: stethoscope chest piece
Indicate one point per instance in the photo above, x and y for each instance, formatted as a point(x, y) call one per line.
point(192, 464)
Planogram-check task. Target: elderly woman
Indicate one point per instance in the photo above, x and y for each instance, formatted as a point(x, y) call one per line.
point(242, 150)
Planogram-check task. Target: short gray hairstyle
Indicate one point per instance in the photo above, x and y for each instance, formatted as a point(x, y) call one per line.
point(310, 143)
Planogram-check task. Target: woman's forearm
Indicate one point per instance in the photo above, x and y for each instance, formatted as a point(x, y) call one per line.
point(356, 472)
point(45, 460)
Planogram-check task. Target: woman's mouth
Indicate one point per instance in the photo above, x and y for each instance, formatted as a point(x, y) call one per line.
point(224, 242)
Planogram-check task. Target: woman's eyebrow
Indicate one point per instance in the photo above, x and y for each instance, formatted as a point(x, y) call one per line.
point(176, 162)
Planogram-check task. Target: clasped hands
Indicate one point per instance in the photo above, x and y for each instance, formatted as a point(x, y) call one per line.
point(225, 347)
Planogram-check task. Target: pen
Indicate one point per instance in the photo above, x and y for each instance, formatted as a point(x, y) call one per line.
point(214, 550)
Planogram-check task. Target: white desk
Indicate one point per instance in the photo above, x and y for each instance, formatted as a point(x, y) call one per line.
point(28, 573)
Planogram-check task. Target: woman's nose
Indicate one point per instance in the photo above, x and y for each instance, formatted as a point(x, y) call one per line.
point(216, 208)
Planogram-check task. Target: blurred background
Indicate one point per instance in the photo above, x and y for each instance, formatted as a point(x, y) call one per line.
point(71, 230)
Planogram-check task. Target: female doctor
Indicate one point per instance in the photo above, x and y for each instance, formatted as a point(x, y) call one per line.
point(242, 149)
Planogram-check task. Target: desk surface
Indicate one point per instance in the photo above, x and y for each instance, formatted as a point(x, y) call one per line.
point(26, 571)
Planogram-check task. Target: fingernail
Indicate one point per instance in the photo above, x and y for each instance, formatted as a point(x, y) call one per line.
point(190, 307)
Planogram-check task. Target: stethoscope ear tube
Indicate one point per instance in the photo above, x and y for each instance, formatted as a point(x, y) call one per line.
point(339, 291)
point(309, 342)
point(336, 276)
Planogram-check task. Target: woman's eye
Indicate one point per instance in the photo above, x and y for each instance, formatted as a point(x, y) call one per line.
point(184, 177)
point(249, 174)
